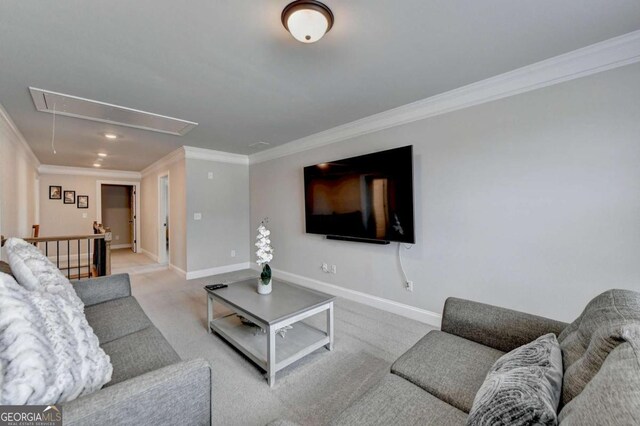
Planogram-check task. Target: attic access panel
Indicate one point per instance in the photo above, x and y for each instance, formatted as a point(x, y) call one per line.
point(73, 106)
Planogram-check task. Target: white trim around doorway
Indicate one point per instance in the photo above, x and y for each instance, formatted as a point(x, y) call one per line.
point(161, 232)
point(99, 183)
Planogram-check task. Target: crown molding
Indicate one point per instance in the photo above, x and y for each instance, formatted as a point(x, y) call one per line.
point(21, 141)
point(164, 162)
point(48, 169)
point(194, 153)
point(603, 56)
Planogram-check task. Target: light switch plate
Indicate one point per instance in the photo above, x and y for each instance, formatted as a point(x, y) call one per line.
point(84, 215)
point(210, 175)
point(197, 216)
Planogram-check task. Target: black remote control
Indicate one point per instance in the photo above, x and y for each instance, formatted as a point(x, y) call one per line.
point(215, 286)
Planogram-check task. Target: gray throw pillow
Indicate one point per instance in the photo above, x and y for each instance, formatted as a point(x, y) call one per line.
point(522, 388)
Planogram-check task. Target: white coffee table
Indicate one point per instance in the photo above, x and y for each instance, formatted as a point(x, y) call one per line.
point(287, 305)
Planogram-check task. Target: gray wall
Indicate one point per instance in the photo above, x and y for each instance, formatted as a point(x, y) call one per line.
point(177, 213)
point(116, 212)
point(530, 202)
point(18, 185)
point(57, 218)
point(224, 204)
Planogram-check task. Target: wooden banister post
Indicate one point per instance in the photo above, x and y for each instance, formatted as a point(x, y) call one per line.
point(107, 240)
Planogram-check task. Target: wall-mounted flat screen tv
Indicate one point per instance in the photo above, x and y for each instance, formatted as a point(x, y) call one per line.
point(368, 198)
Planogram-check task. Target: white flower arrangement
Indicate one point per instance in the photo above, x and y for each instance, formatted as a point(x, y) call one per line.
point(264, 252)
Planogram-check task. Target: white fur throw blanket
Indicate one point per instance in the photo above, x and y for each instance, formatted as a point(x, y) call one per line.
point(48, 352)
point(34, 271)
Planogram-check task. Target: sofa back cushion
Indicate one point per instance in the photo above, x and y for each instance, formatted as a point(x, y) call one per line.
point(5, 268)
point(613, 395)
point(609, 320)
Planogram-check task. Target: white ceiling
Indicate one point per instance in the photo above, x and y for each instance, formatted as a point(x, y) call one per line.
point(231, 66)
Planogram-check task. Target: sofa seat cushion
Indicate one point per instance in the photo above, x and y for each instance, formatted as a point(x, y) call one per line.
point(116, 318)
point(138, 353)
point(448, 367)
point(395, 401)
point(606, 322)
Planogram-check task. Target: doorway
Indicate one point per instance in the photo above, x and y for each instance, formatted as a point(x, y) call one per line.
point(117, 207)
point(163, 219)
point(118, 214)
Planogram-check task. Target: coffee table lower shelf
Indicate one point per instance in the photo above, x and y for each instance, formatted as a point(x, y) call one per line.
point(299, 341)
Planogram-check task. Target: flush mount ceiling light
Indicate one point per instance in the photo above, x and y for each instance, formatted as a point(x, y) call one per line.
point(307, 20)
point(111, 136)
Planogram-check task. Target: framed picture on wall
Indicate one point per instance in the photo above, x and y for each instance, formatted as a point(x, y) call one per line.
point(55, 192)
point(83, 201)
point(69, 197)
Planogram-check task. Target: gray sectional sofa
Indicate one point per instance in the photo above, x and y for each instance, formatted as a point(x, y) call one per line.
point(150, 384)
point(435, 382)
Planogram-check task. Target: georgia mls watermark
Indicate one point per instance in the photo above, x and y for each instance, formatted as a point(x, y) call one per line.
point(30, 415)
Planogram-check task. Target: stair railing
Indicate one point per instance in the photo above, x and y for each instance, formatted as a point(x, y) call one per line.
point(73, 265)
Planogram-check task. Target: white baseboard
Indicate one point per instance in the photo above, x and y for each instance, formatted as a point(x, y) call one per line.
point(149, 254)
point(398, 308)
point(218, 270)
point(180, 272)
point(120, 246)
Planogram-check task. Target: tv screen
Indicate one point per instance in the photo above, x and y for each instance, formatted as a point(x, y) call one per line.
point(369, 197)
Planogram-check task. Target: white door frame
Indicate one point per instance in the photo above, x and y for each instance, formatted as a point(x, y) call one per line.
point(164, 254)
point(135, 246)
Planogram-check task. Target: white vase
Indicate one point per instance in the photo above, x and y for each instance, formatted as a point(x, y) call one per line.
point(264, 288)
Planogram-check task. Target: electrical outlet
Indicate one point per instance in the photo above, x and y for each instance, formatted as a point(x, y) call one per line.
point(233, 253)
point(333, 269)
point(210, 175)
point(117, 237)
point(197, 216)
point(325, 267)
point(408, 286)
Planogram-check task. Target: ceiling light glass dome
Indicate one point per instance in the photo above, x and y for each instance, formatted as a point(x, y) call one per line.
point(307, 21)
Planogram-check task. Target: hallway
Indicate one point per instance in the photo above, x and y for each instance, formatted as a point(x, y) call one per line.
point(125, 260)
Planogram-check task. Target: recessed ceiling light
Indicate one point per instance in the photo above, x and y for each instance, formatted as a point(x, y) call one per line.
point(97, 165)
point(307, 20)
point(111, 136)
point(102, 154)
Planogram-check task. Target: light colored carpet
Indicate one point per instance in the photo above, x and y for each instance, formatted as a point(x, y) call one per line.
point(124, 260)
point(311, 391)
